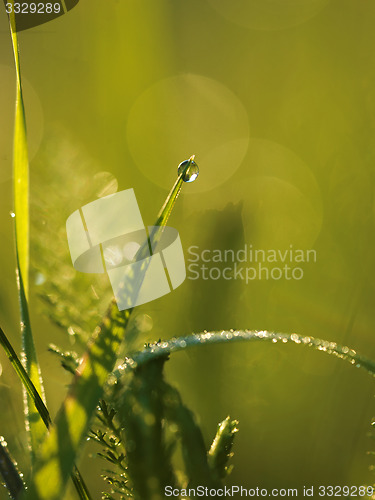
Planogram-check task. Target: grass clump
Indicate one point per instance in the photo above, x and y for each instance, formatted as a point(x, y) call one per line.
point(131, 411)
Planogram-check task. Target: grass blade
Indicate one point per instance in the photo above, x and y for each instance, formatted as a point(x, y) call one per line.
point(37, 416)
point(158, 350)
point(80, 484)
point(8, 469)
point(25, 379)
point(20, 164)
point(73, 419)
point(34, 423)
point(220, 450)
point(193, 448)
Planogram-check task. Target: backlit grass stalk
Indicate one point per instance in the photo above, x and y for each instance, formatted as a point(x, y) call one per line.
point(37, 417)
point(161, 349)
point(34, 423)
point(70, 429)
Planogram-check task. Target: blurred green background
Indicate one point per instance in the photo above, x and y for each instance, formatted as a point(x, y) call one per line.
point(276, 98)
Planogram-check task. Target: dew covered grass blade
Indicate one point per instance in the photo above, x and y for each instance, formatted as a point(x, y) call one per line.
point(161, 349)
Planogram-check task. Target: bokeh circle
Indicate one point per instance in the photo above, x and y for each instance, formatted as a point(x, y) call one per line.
point(185, 115)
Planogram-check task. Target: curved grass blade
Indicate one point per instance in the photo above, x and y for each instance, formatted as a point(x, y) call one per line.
point(72, 423)
point(34, 424)
point(159, 350)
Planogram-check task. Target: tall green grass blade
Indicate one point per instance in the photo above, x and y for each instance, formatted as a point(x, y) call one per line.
point(20, 165)
point(34, 423)
point(37, 417)
point(159, 350)
point(70, 429)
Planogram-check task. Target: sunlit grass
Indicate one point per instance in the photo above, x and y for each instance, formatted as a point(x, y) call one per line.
point(141, 419)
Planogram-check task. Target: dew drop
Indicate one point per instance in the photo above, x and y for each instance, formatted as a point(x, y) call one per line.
point(111, 380)
point(12, 214)
point(71, 332)
point(191, 173)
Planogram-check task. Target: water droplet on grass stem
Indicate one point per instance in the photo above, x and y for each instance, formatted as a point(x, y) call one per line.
point(190, 168)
